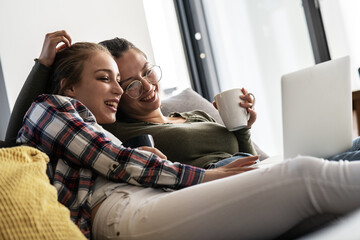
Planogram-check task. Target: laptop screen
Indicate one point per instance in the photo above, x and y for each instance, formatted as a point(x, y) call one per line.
point(317, 109)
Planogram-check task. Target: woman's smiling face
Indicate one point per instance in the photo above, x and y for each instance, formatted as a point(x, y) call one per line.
point(133, 65)
point(99, 88)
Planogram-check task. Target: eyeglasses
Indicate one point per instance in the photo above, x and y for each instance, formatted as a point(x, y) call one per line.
point(135, 88)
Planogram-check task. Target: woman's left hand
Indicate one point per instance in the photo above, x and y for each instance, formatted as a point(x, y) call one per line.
point(238, 166)
point(248, 103)
point(153, 150)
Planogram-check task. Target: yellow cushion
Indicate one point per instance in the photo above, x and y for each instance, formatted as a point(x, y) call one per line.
point(28, 202)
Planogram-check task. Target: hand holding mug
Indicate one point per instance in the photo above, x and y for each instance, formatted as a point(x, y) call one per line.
point(249, 103)
point(234, 114)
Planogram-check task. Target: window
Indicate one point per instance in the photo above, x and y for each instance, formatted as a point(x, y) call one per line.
point(341, 22)
point(254, 43)
point(167, 45)
point(251, 44)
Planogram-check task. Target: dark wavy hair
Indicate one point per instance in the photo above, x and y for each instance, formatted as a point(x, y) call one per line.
point(118, 46)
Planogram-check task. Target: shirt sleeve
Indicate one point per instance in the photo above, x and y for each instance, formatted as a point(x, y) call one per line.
point(34, 85)
point(244, 139)
point(62, 128)
point(243, 135)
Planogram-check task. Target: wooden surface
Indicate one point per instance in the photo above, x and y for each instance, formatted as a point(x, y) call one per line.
point(356, 108)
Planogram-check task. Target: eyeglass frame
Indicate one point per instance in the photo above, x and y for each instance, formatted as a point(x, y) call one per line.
point(145, 77)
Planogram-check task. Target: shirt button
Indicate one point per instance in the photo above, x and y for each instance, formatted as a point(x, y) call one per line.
point(114, 166)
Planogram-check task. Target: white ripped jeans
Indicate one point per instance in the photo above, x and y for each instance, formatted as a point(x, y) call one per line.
point(260, 204)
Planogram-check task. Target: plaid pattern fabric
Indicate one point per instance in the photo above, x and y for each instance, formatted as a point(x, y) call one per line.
point(79, 149)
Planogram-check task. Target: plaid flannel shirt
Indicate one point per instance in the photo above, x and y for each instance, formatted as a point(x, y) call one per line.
point(79, 150)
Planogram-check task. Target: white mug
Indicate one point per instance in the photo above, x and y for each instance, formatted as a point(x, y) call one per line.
point(233, 115)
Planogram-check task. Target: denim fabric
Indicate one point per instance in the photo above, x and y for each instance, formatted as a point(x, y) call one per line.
point(353, 154)
point(228, 160)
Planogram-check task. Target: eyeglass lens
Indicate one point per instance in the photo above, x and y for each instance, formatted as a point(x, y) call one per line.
point(153, 75)
point(135, 88)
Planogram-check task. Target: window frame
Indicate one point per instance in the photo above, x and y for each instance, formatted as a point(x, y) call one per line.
point(203, 73)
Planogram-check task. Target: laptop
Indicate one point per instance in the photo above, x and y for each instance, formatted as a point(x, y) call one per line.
point(317, 110)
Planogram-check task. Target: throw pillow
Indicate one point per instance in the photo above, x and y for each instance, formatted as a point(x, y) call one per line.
point(28, 202)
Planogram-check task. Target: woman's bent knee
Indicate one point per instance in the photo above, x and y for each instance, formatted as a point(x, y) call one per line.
point(304, 166)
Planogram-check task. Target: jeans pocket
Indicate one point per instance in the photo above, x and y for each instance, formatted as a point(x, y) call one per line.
point(117, 210)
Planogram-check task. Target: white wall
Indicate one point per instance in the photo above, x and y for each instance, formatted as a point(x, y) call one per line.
point(23, 25)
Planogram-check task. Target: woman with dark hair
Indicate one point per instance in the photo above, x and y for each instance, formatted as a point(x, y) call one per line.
point(195, 136)
point(119, 192)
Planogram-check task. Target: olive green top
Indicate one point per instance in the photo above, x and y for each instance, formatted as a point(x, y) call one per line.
point(198, 141)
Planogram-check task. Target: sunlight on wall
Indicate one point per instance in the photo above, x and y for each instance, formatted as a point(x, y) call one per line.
point(167, 45)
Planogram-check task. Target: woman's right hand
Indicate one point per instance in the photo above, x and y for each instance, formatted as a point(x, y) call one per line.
point(248, 104)
point(50, 48)
point(238, 166)
point(153, 150)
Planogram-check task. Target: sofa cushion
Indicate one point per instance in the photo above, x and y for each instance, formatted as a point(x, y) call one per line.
point(189, 100)
point(28, 202)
